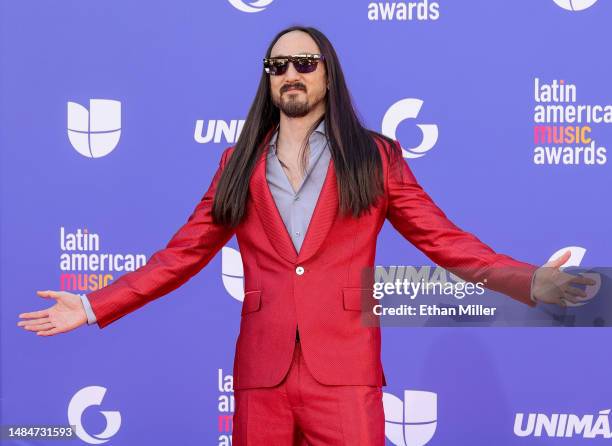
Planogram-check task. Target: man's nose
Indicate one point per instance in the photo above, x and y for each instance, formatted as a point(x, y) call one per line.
point(291, 72)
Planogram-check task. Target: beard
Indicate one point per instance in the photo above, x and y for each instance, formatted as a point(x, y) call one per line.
point(293, 106)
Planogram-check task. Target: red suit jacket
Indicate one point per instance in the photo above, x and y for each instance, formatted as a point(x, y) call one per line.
point(319, 288)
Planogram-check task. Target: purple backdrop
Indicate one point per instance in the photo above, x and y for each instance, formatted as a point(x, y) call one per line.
point(174, 68)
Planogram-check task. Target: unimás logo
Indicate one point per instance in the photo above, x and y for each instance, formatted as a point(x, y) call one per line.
point(218, 130)
point(94, 133)
point(409, 108)
point(420, 10)
point(256, 6)
point(424, 280)
point(577, 254)
point(232, 272)
point(85, 398)
point(575, 5)
point(563, 425)
point(411, 422)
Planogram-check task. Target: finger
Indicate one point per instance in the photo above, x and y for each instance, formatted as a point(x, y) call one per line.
point(28, 322)
point(573, 299)
point(51, 332)
point(41, 313)
point(45, 326)
point(563, 301)
point(48, 293)
point(583, 280)
point(555, 263)
point(573, 291)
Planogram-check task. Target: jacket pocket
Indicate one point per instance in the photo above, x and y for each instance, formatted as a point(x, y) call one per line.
point(251, 302)
point(357, 299)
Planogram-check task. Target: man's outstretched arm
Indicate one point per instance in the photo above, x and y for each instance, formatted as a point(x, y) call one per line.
point(415, 215)
point(187, 252)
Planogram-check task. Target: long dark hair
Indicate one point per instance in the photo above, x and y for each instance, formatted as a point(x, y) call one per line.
point(356, 157)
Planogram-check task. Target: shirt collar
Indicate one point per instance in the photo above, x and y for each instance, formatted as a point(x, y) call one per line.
point(320, 129)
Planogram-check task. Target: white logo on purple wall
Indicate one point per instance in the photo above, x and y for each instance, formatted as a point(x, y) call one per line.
point(575, 5)
point(94, 133)
point(411, 422)
point(218, 130)
point(232, 272)
point(256, 6)
point(409, 108)
point(85, 398)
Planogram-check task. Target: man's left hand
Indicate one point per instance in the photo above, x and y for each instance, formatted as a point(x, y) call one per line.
point(553, 286)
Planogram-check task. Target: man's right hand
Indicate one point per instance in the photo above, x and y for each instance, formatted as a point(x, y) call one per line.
point(67, 314)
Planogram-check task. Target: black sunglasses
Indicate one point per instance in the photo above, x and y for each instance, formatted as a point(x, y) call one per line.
point(303, 63)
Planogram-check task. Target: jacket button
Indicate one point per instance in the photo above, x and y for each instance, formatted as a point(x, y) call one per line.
point(299, 270)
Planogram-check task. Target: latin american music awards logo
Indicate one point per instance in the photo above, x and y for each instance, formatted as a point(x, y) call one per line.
point(86, 266)
point(565, 127)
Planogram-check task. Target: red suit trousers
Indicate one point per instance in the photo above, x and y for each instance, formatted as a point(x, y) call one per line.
point(300, 411)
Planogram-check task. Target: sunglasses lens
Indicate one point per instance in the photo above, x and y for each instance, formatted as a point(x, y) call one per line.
point(305, 65)
point(276, 67)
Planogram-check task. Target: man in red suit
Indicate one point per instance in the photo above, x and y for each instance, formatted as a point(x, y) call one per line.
point(306, 190)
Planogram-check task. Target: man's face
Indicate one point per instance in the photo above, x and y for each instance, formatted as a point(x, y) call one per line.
point(296, 94)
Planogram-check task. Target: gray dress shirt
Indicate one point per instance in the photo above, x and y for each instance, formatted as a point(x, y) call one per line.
point(295, 207)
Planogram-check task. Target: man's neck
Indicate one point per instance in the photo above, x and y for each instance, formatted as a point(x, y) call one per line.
point(292, 132)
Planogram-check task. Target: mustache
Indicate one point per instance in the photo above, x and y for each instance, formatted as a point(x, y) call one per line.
point(298, 86)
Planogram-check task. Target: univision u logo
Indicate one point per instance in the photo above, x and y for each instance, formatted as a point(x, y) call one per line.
point(413, 421)
point(94, 133)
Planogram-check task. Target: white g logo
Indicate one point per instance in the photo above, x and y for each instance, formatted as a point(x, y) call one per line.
point(256, 6)
point(575, 5)
point(84, 398)
point(406, 109)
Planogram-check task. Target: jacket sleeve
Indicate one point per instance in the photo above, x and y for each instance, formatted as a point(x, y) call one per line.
point(187, 252)
point(414, 214)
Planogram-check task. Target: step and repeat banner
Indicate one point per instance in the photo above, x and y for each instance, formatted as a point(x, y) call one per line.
point(113, 119)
